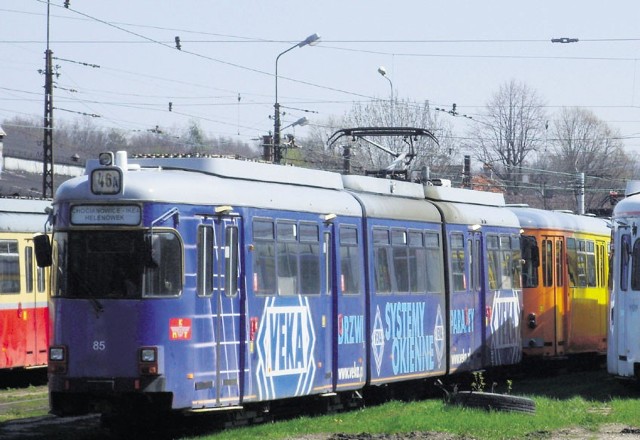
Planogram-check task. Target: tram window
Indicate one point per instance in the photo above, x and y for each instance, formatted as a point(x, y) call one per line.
point(28, 268)
point(382, 261)
point(231, 261)
point(635, 266)
point(349, 261)
point(9, 267)
point(530, 254)
point(493, 259)
point(435, 280)
point(287, 268)
point(309, 255)
point(625, 252)
point(572, 262)
point(507, 264)
point(559, 267)
point(164, 276)
point(400, 260)
point(205, 263)
point(264, 257)
point(547, 263)
point(286, 258)
point(516, 262)
point(458, 263)
point(590, 257)
point(41, 279)
point(417, 263)
point(286, 231)
point(600, 262)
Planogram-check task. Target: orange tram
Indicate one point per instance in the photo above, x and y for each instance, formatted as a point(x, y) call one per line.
point(24, 287)
point(564, 283)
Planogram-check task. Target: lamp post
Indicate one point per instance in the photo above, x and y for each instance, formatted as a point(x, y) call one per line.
point(382, 71)
point(277, 156)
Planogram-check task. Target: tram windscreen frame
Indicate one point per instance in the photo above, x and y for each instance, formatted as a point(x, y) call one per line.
point(117, 264)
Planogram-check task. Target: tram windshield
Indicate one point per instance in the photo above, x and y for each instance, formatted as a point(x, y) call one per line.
point(117, 264)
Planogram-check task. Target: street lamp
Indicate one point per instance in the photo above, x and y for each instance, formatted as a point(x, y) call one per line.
point(382, 71)
point(301, 122)
point(277, 156)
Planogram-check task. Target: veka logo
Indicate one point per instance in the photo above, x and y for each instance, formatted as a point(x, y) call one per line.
point(286, 340)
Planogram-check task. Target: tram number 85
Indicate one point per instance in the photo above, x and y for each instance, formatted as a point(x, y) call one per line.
point(99, 345)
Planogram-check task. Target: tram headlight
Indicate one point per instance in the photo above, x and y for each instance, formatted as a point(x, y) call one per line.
point(148, 361)
point(57, 354)
point(148, 354)
point(58, 362)
point(105, 159)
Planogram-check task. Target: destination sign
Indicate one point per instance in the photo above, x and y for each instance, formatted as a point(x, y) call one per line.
point(129, 215)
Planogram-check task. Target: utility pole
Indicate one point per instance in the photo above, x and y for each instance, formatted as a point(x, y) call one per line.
point(47, 143)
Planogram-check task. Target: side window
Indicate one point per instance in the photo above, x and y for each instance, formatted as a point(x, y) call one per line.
point(287, 259)
point(572, 261)
point(559, 267)
point(493, 260)
point(205, 263)
point(164, 276)
point(264, 257)
point(231, 256)
point(625, 252)
point(435, 279)
point(309, 254)
point(516, 262)
point(9, 267)
point(547, 262)
point(590, 258)
point(635, 266)
point(41, 277)
point(417, 263)
point(349, 261)
point(457, 258)
point(506, 263)
point(530, 254)
point(381, 260)
point(28, 268)
point(400, 259)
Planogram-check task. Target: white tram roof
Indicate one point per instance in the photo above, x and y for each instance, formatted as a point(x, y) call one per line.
point(466, 206)
point(559, 220)
point(630, 205)
point(221, 181)
point(236, 168)
point(23, 215)
point(391, 199)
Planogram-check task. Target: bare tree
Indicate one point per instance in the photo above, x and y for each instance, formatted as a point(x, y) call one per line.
point(509, 131)
point(582, 143)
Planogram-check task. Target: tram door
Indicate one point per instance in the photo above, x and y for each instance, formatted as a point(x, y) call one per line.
point(220, 240)
point(34, 317)
point(553, 303)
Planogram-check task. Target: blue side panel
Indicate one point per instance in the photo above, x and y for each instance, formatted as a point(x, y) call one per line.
point(349, 342)
point(407, 337)
point(503, 333)
point(466, 313)
point(406, 330)
point(289, 344)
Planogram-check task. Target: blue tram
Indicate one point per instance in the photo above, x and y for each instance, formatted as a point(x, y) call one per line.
point(185, 283)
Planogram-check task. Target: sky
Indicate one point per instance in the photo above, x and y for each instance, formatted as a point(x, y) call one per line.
point(118, 60)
